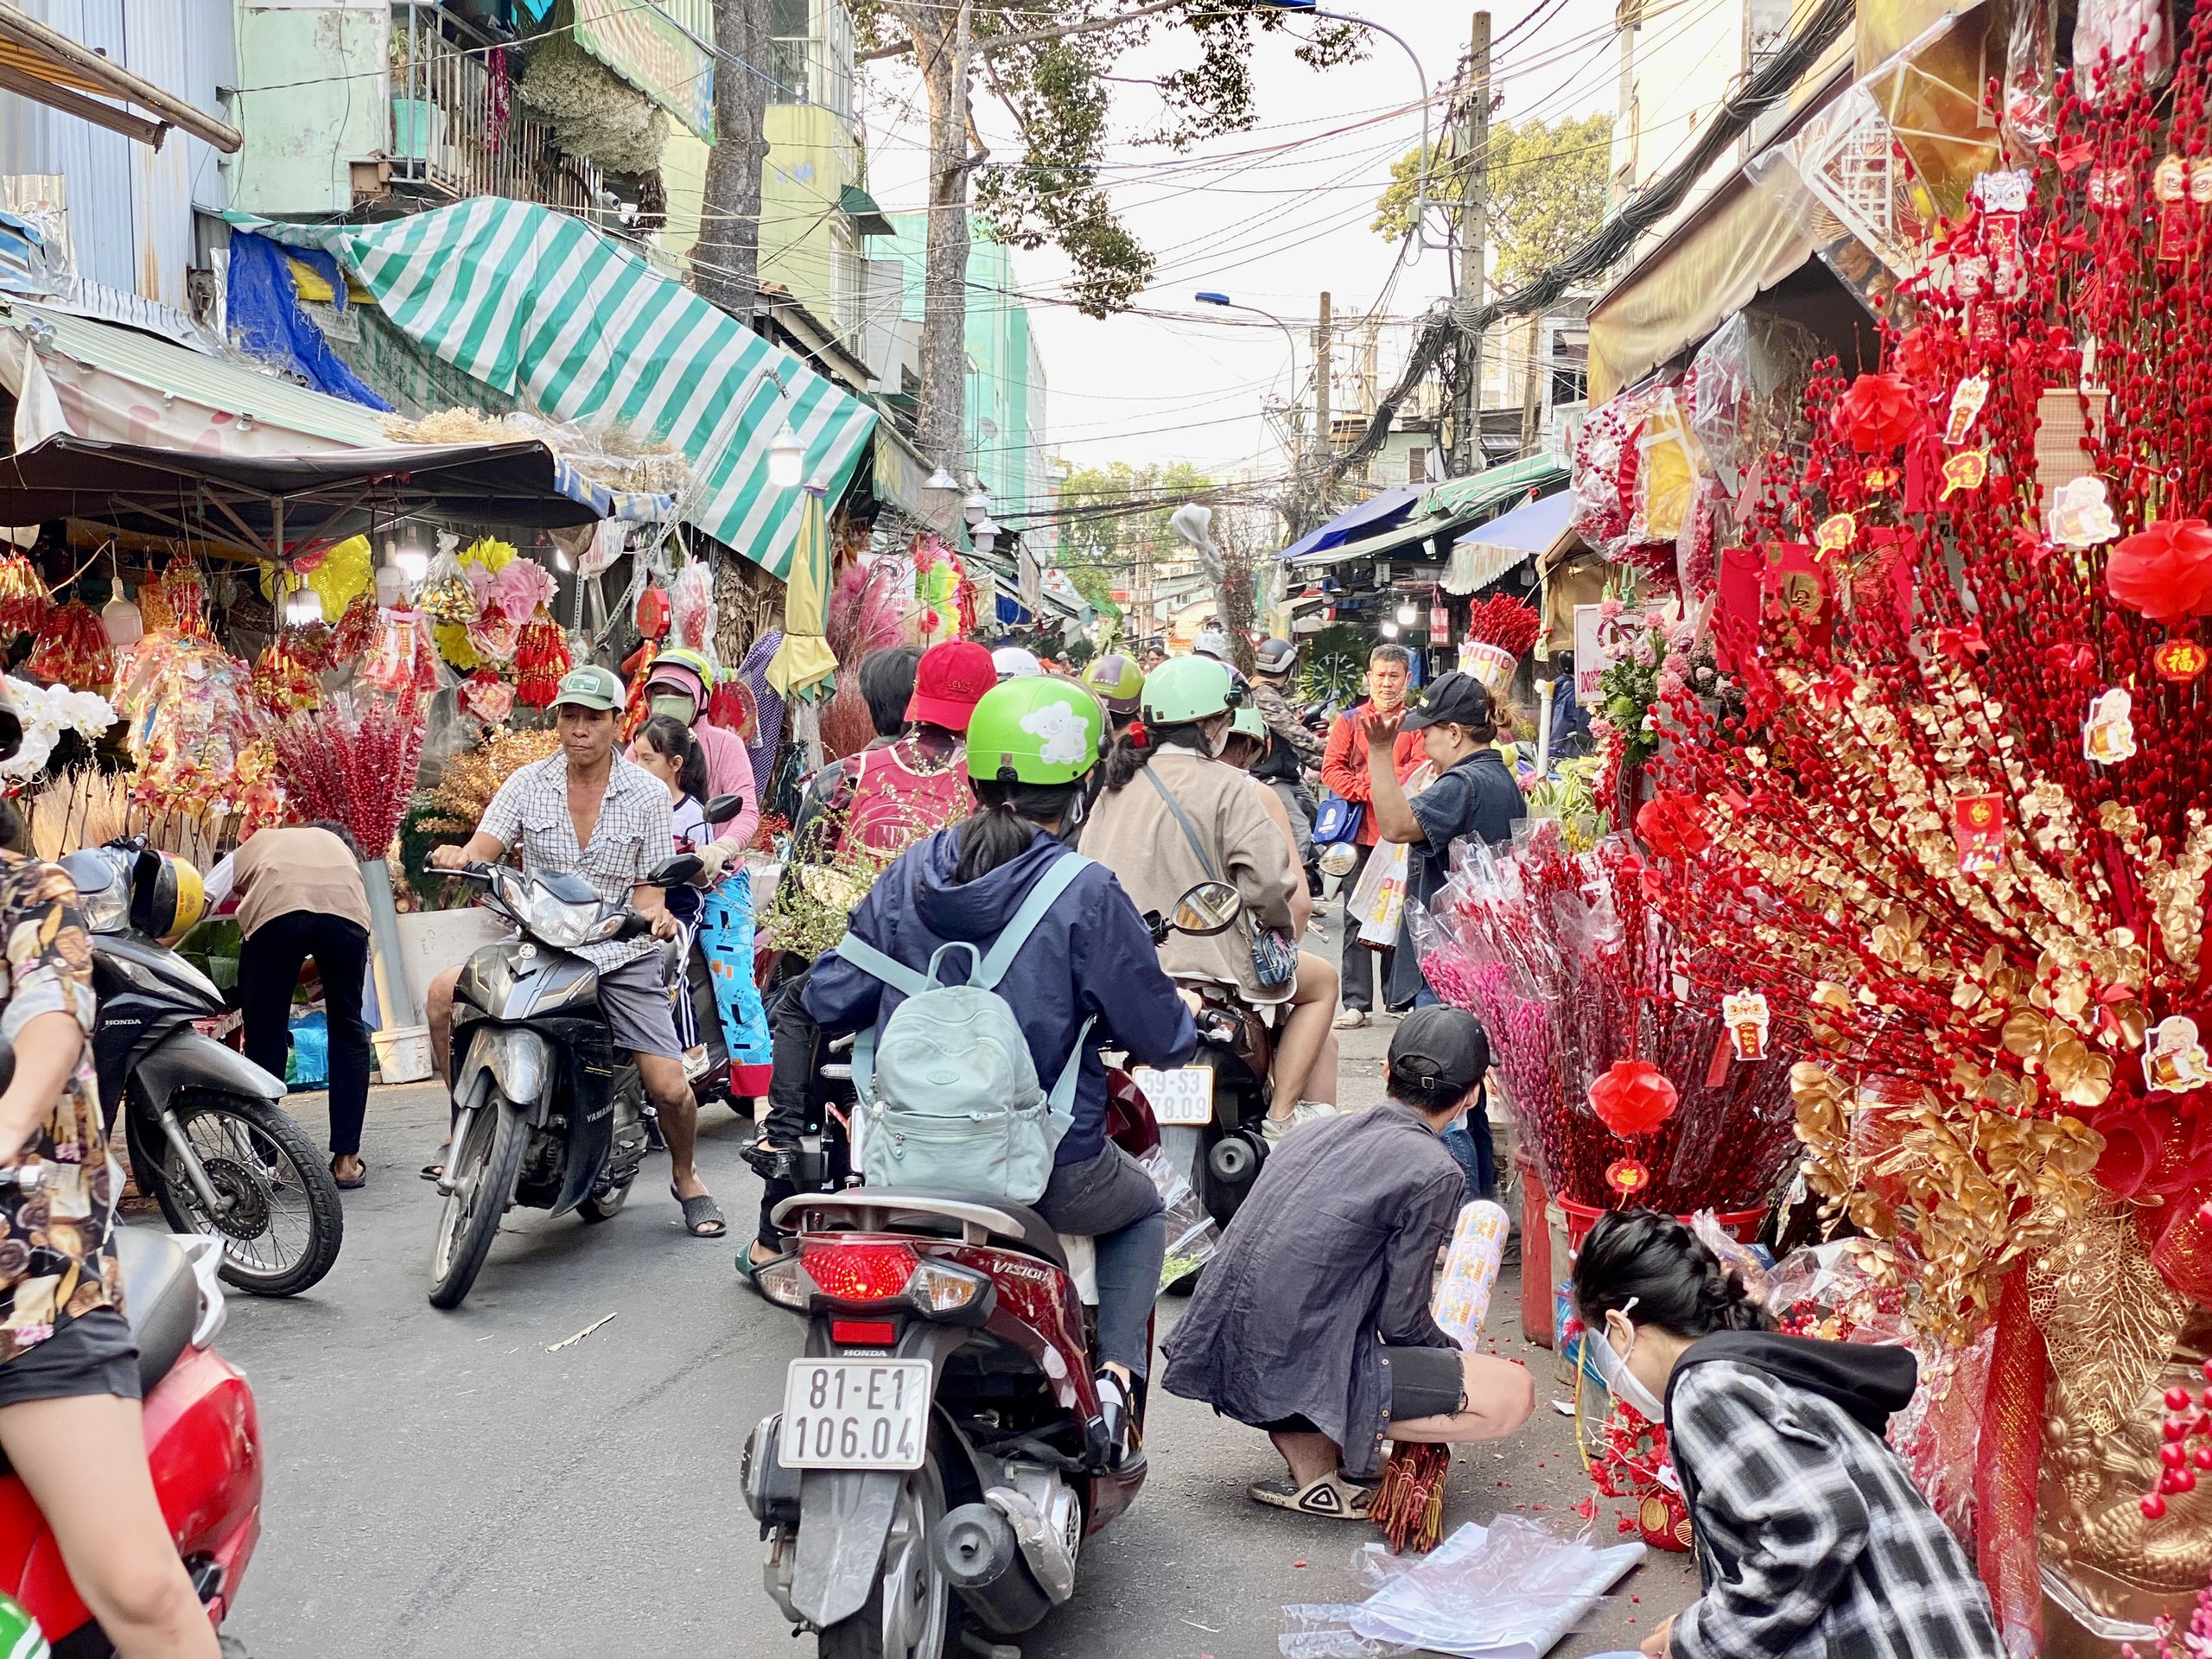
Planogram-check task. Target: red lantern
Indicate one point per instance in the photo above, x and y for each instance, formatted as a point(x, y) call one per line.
point(2163, 572)
point(1634, 1097)
point(653, 612)
point(1878, 413)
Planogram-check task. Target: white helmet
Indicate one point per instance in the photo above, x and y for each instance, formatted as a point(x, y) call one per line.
point(1013, 663)
point(1212, 642)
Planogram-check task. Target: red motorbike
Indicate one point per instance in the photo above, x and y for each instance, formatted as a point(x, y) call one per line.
point(202, 1440)
point(940, 1457)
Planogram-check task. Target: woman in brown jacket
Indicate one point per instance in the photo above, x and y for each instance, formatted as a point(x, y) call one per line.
point(1134, 831)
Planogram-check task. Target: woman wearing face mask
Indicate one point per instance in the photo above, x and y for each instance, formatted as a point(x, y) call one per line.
point(1173, 816)
point(1813, 1541)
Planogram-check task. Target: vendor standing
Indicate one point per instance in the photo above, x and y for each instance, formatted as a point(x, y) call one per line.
point(1346, 770)
point(1312, 1321)
point(300, 896)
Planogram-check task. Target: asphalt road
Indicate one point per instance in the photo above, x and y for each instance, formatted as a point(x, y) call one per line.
point(495, 1482)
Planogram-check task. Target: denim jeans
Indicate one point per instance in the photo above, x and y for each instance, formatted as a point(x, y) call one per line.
point(1469, 1142)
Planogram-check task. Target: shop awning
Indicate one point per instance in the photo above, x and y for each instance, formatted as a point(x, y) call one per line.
point(552, 312)
point(1384, 508)
point(267, 503)
point(1487, 552)
point(1455, 504)
point(40, 62)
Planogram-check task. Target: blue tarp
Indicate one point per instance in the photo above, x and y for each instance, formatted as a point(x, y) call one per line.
point(266, 321)
point(1378, 511)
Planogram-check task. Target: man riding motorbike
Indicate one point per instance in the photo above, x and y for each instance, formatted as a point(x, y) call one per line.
point(1089, 975)
point(906, 784)
point(588, 812)
point(1292, 751)
point(1196, 820)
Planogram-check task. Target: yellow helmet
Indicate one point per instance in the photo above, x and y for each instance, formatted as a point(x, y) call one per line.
point(166, 895)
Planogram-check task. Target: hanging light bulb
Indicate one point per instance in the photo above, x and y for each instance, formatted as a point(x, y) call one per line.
point(986, 533)
point(977, 504)
point(1390, 630)
point(1407, 615)
point(414, 562)
point(561, 559)
point(302, 608)
point(786, 460)
point(121, 621)
point(941, 480)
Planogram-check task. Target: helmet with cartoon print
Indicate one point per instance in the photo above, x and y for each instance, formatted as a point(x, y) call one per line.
point(1040, 730)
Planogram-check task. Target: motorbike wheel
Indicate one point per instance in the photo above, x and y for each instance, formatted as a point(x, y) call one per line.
point(485, 1167)
point(909, 1614)
point(605, 1205)
point(286, 1222)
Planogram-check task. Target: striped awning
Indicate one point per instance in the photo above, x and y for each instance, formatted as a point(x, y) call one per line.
point(564, 319)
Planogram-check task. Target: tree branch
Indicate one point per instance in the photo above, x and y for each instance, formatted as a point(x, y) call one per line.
point(1037, 36)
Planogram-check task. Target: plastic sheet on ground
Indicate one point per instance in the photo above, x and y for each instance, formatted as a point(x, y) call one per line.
point(1512, 1590)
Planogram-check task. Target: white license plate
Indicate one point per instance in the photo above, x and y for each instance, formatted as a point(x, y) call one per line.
point(1183, 1096)
point(855, 1413)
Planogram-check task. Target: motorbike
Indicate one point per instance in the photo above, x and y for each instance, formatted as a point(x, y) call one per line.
point(940, 1459)
point(546, 1112)
point(206, 1128)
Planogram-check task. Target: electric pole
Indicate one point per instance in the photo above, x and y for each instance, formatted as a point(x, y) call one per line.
point(1325, 446)
point(1474, 205)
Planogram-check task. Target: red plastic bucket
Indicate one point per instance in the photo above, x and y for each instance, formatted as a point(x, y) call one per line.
point(1742, 1225)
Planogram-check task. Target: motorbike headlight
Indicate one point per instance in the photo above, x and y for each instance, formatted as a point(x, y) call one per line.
point(105, 910)
point(564, 926)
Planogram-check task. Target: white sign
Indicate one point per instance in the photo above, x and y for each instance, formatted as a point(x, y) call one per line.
point(1591, 658)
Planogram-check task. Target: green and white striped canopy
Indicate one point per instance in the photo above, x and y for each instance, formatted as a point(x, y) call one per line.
point(565, 319)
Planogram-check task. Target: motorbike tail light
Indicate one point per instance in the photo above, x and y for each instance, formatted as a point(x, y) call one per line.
point(936, 1288)
point(866, 1333)
point(859, 1272)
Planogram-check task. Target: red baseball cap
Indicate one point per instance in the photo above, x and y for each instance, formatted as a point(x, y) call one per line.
point(949, 682)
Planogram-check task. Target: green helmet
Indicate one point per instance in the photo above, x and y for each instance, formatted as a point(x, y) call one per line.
point(1185, 688)
point(1247, 722)
point(1117, 680)
point(1035, 730)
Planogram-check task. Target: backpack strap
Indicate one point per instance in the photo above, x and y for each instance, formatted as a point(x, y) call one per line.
point(1050, 885)
point(1061, 1101)
point(1205, 863)
point(876, 965)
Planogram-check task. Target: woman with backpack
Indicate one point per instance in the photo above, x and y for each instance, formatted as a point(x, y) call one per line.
point(1812, 1539)
point(1082, 976)
point(1173, 815)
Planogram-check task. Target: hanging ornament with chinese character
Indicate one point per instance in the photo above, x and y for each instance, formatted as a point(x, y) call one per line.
point(1965, 406)
point(2180, 660)
point(1745, 1015)
point(1978, 832)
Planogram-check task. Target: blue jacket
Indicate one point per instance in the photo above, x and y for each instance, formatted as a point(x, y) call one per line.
point(1090, 955)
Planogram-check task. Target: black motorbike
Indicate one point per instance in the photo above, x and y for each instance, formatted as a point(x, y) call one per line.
point(547, 1112)
point(207, 1134)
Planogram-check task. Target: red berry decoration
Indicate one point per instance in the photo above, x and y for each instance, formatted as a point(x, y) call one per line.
point(2173, 1456)
point(2179, 1398)
point(2153, 1507)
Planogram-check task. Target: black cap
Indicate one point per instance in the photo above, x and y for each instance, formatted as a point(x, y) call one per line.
point(1438, 1054)
point(1459, 698)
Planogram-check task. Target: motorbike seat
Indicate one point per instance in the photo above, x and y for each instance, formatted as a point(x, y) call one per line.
point(161, 1294)
point(865, 1208)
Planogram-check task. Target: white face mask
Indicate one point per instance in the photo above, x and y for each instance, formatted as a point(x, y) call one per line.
point(1613, 1367)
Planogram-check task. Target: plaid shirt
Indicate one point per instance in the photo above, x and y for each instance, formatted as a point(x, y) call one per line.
point(635, 831)
point(1812, 1541)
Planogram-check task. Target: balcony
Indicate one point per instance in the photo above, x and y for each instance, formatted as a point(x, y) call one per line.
point(456, 130)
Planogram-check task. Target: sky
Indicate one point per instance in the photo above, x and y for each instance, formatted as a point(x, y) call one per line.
point(1271, 217)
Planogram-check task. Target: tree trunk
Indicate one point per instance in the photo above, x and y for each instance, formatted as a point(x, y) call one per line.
point(941, 47)
point(725, 259)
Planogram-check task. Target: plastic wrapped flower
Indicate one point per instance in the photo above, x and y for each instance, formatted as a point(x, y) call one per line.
point(2163, 572)
point(1634, 1097)
point(45, 714)
point(1878, 413)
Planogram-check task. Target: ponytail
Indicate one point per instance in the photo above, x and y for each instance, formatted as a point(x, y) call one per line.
point(1130, 755)
point(1655, 1262)
point(1006, 820)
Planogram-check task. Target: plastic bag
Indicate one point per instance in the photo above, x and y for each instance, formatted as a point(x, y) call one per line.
point(1379, 897)
point(1509, 1591)
point(1192, 1238)
point(1463, 1289)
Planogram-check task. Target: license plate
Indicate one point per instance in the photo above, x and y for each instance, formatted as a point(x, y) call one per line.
point(1183, 1096)
point(855, 1413)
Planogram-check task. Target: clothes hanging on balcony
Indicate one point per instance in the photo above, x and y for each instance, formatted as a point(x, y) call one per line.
point(262, 300)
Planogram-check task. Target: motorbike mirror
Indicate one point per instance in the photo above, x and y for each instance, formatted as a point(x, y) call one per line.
point(722, 808)
point(675, 872)
point(1209, 908)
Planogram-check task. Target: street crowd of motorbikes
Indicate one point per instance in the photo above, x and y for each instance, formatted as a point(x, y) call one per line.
point(959, 1329)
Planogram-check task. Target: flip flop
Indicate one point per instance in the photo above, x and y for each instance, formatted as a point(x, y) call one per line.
point(360, 1180)
point(433, 1171)
point(1331, 1496)
point(700, 1211)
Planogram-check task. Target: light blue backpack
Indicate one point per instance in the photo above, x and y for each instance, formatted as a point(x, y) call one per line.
point(949, 1100)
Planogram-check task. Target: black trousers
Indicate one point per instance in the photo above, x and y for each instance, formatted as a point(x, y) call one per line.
point(1357, 961)
point(794, 1107)
point(269, 968)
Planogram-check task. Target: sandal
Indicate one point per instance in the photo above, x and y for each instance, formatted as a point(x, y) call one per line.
point(749, 1270)
point(1351, 1020)
point(702, 1217)
point(1331, 1496)
point(360, 1180)
point(433, 1171)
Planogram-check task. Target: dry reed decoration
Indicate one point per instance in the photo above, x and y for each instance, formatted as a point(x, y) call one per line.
point(456, 806)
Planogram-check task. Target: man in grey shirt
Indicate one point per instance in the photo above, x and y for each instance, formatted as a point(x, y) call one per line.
point(1312, 1320)
point(588, 812)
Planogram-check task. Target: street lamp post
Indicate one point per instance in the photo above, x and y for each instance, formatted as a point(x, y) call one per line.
point(1420, 183)
point(1298, 447)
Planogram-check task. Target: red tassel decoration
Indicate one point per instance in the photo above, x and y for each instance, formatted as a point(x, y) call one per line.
point(72, 652)
point(541, 658)
point(24, 603)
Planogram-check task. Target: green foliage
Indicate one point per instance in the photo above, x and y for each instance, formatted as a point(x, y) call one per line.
point(1057, 89)
point(1335, 666)
point(1547, 185)
point(1114, 515)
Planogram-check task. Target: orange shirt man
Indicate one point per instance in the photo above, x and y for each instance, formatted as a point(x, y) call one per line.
point(1343, 769)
